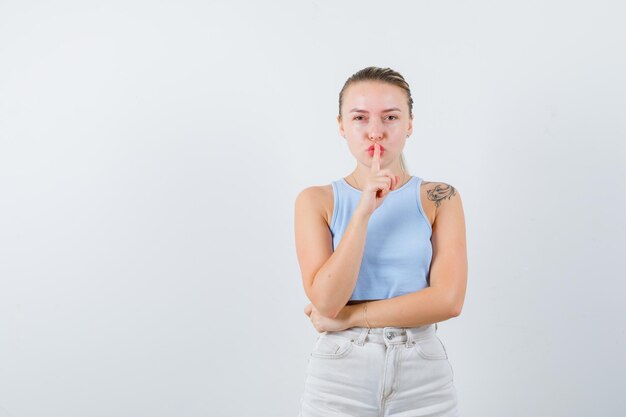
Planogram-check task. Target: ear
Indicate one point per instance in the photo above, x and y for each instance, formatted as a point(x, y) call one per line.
point(340, 122)
point(410, 131)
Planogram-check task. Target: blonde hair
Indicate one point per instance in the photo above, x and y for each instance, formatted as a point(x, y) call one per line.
point(386, 75)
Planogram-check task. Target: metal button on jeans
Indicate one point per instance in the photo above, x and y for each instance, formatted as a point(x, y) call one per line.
point(389, 335)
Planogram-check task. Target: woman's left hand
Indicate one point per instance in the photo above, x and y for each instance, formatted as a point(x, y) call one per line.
point(327, 324)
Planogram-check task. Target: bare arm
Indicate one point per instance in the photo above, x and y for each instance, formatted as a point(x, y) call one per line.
point(444, 298)
point(328, 277)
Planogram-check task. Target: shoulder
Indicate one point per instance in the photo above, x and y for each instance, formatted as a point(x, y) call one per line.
point(318, 198)
point(438, 196)
point(315, 194)
point(439, 192)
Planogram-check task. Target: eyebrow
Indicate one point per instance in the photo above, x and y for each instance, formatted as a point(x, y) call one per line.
point(355, 110)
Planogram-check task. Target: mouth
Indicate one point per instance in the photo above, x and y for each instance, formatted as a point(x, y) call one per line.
point(370, 151)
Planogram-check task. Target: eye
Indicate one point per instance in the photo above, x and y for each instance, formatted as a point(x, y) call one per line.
point(357, 118)
point(394, 117)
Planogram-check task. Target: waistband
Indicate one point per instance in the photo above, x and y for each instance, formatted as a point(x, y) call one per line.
point(386, 335)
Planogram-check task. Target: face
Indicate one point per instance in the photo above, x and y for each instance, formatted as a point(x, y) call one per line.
point(374, 111)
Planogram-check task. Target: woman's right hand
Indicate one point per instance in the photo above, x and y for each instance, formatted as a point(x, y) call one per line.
point(377, 185)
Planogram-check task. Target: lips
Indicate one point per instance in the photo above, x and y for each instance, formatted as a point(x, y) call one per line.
point(371, 148)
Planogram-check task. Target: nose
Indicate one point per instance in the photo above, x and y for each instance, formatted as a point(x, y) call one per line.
point(375, 131)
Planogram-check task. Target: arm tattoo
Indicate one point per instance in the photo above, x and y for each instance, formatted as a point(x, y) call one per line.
point(440, 192)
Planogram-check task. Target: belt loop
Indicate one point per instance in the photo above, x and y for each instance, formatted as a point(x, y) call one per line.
point(409, 338)
point(361, 339)
point(436, 327)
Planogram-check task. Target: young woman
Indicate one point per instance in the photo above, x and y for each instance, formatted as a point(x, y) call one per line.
point(383, 259)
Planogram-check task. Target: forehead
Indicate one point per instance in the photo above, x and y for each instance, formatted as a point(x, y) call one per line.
point(374, 96)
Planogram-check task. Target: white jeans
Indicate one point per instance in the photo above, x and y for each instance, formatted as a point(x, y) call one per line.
point(379, 372)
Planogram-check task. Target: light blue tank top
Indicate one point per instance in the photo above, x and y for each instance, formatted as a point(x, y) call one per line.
point(398, 251)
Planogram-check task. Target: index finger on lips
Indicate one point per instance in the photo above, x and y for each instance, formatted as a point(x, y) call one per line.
point(376, 158)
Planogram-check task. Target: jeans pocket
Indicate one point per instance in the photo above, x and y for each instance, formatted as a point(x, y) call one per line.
point(332, 346)
point(431, 348)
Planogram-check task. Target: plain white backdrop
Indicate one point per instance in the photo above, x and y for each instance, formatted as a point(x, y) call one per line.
point(151, 153)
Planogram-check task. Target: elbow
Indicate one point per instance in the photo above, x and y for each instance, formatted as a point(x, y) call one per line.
point(325, 309)
point(323, 305)
point(455, 308)
point(455, 312)
point(453, 301)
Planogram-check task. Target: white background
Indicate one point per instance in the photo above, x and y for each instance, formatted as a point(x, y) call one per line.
point(151, 153)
